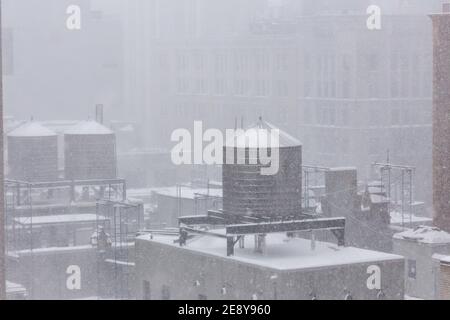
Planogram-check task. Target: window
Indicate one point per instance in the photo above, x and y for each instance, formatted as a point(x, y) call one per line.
point(281, 62)
point(262, 88)
point(200, 86)
point(281, 88)
point(395, 117)
point(345, 145)
point(220, 87)
point(182, 62)
point(307, 115)
point(182, 86)
point(240, 62)
point(221, 63)
point(199, 61)
point(345, 114)
point(146, 290)
point(412, 270)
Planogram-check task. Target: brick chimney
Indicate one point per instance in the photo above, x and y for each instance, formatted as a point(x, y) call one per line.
point(441, 118)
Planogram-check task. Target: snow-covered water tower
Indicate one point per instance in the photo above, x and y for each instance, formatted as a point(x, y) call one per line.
point(33, 153)
point(248, 192)
point(90, 152)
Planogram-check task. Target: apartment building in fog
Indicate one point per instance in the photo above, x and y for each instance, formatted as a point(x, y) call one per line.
point(353, 95)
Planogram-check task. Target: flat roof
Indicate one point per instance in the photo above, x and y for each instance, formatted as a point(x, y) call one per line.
point(60, 219)
point(282, 253)
point(398, 218)
point(442, 258)
point(12, 288)
point(425, 234)
point(184, 192)
point(50, 250)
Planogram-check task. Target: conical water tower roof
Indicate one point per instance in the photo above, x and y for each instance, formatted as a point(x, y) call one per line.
point(88, 128)
point(31, 129)
point(258, 136)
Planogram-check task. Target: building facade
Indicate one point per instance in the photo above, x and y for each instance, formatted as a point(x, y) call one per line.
point(352, 95)
point(421, 271)
point(287, 270)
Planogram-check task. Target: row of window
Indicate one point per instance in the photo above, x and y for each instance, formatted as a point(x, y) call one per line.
point(329, 76)
point(342, 116)
point(239, 87)
point(258, 62)
point(165, 293)
point(376, 145)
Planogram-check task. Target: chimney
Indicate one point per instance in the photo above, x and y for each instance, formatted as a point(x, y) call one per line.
point(441, 118)
point(99, 113)
point(341, 192)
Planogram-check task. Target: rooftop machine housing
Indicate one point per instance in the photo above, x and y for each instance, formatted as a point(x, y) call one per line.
point(90, 152)
point(33, 153)
point(246, 191)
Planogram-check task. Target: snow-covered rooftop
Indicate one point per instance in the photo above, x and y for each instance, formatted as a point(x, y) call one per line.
point(398, 218)
point(59, 126)
point(31, 129)
point(442, 258)
point(51, 250)
point(182, 192)
point(88, 128)
point(337, 169)
point(425, 234)
point(282, 253)
point(60, 219)
point(12, 288)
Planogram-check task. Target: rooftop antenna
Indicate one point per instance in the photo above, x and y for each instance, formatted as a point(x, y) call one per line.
point(242, 122)
point(99, 113)
point(260, 122)
point(235, 123)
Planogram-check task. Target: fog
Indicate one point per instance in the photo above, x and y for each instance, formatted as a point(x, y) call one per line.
point(351, 81)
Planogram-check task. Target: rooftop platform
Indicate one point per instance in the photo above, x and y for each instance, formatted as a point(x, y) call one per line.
point(63, 219)
point(282, 253)
point(425, 235)
point(183, 192)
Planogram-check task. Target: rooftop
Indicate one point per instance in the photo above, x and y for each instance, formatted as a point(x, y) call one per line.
point(425, 234)
point(338, 169)
point(13, 288)
point(282, 253)
point(444, 259)
point(182, 192)
point(60, 219)
point(399, 218)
